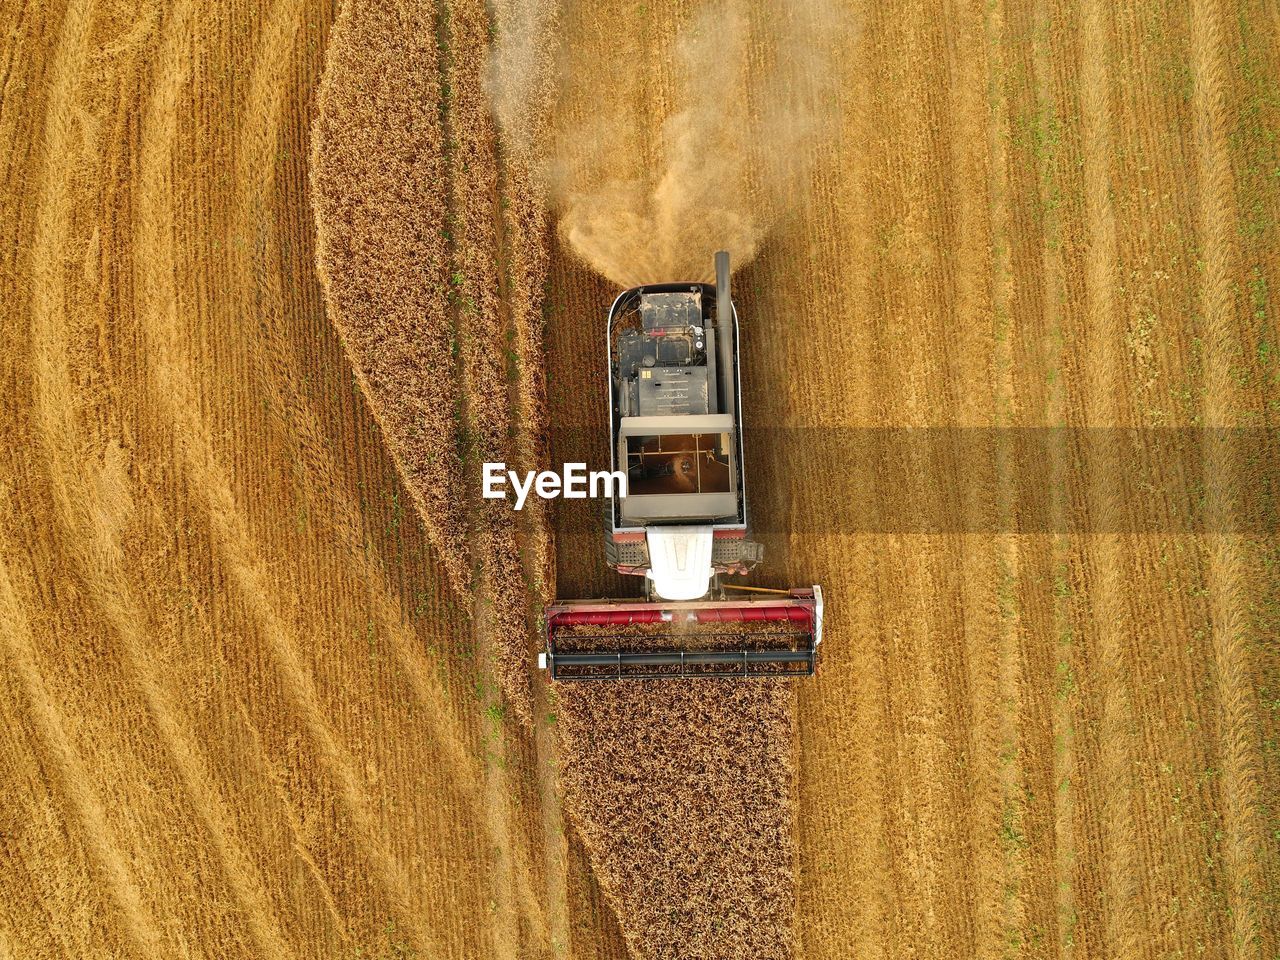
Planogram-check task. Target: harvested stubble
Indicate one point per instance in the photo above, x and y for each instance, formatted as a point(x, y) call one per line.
point(684, 794)
point(521, 89)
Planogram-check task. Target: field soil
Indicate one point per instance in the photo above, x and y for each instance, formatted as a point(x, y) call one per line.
point(1011, 362)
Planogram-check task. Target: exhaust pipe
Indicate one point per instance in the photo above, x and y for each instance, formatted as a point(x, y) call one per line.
point(724, 332)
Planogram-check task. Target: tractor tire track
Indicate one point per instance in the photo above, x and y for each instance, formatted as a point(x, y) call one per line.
point(1059, 620)
point(296, 831)
point(940, 603)
point(1226, 574)
point(890, 695)
point(1171, 683)
point(70, 778)
point(999, 687)
point(844, 916)
point(1106, 556)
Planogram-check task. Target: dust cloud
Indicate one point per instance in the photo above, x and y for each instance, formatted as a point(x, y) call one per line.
point(522, 75)
point(645, 187)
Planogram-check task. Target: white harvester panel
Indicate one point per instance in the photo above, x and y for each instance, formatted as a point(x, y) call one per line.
point(680, 561)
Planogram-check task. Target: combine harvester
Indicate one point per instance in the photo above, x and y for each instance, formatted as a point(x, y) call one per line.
point(675, 428)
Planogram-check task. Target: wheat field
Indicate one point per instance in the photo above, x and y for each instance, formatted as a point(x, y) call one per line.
point(1011, 352)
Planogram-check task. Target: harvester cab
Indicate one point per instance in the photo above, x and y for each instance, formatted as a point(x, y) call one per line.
point(675, 431)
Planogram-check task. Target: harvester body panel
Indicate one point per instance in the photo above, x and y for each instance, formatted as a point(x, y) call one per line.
point(674, 430)
point(675, 401)
point(675, 406)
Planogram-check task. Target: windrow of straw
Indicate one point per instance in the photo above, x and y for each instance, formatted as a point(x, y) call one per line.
point(524, 43)
point(435, 284)
point(488, 365)
point(376, 166)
